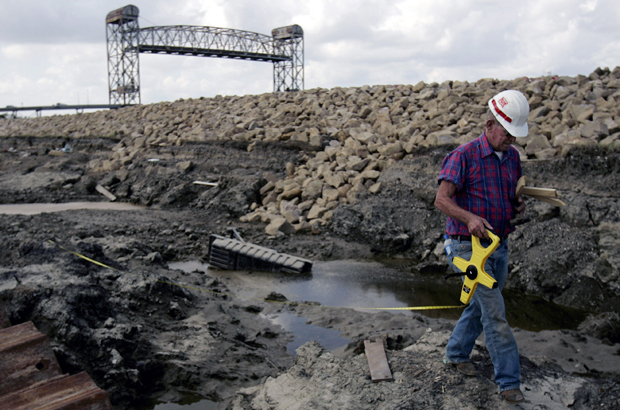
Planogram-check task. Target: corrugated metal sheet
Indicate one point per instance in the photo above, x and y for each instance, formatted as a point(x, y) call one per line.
point(62, 392)
point(26, 358)
point(226, 253)
point(31, 378)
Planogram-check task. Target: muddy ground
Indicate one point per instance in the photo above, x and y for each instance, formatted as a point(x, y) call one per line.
point(142, 337)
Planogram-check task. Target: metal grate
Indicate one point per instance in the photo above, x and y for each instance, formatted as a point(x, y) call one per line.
point(225, 253)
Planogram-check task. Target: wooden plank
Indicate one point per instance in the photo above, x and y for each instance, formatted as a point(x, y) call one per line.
point(205, 183)
point(377, 361)
point(105, 192)
point(551, 201)
point(520, 184)
point(531, 191)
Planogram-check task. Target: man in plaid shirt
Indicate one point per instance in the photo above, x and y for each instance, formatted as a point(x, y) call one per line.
point(477, 186)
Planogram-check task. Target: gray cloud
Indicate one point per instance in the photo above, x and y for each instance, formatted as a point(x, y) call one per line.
point(54, 50)
point(52, 22)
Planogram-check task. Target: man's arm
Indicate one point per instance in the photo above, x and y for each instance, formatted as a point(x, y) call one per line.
point(443, 201)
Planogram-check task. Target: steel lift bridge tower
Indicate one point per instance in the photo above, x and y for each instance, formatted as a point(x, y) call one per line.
point(125, 40)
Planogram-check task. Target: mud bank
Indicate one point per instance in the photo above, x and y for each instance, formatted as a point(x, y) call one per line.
point(141, 338)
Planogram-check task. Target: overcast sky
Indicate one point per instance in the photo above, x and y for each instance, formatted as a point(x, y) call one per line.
point(55, 50)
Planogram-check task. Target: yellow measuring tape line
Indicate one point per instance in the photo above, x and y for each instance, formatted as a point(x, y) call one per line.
point(83, 257)
point(312, 305)
point(263, 300)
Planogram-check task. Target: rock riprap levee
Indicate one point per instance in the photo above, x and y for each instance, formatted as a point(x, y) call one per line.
point(356, 132)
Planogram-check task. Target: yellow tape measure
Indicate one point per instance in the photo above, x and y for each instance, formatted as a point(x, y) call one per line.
point(473, 269)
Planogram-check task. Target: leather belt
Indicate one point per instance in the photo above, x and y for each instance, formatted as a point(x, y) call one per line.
point(468, 238)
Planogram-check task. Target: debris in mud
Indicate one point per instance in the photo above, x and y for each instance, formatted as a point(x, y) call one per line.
point(32, 378)
point(321, 380)
point(225, 253)
point(105, 193)
point(276, 297)
point(377, 361)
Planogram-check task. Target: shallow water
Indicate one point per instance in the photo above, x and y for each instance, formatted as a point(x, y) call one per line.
point(190, 403)
point(362, 285)
point(304, 332)
point(34, 209)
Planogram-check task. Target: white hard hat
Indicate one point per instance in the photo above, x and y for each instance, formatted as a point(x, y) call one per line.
point(511, 109)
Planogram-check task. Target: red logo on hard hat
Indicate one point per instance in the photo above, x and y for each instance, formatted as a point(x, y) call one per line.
point(500, 112)
point(503, 102)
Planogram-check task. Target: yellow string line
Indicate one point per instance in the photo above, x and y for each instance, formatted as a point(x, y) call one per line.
point(311, 305)
point(264, 300)
point(84, 257)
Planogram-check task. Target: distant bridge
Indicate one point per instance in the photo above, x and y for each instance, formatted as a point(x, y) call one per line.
point(78, 108)
point(125, 40)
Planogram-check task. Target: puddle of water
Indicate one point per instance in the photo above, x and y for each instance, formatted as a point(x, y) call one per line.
point(188, 402)
point(201, 404)
point(303, 333)
point(356, 284)
point(34, 209)
point(189, 266)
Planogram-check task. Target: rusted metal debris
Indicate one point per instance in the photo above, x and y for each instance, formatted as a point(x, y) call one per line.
point(26, 358)
point(225, 253)
point(61, 392)
point(31, 378)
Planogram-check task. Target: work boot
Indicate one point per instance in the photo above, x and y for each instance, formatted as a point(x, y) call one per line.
point(512, 396)
point(466, 368)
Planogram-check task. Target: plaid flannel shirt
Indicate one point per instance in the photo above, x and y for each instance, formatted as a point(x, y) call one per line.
point(485, 184)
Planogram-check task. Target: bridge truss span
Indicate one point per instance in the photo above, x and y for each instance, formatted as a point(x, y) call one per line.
point(209, 42)
point(125, 40)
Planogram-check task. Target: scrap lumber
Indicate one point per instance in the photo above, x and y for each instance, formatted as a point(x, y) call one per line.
point(205, 183)
point(105, 192)
point(520, 184)
point(551, 201)
point(377, 361)
point(547, 195)
point(533, 191)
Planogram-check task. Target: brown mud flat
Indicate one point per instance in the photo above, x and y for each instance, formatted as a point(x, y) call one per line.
point(139, 337)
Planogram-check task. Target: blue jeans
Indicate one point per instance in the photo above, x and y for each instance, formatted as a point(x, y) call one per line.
point(487, 312)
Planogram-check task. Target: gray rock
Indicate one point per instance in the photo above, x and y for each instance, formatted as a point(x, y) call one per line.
point(313, 190)
point(279, 225)
point(537, 143)
point(596, 129)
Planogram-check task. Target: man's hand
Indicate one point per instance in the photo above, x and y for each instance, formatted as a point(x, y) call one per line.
point(478, 226)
